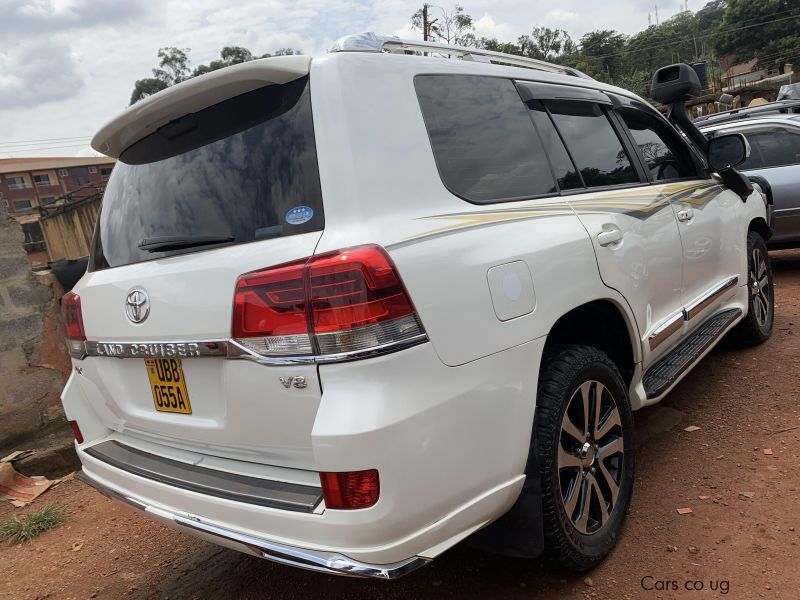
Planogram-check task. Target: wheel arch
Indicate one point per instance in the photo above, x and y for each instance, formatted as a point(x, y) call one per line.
point(606, 324)
point(759, 225)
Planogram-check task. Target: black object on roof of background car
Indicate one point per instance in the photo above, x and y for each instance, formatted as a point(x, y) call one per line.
point(779, 107)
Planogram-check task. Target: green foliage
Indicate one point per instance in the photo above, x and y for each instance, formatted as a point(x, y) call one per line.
point(768, 30)
point(143, 88)
point(16, 530)
point(173, 67)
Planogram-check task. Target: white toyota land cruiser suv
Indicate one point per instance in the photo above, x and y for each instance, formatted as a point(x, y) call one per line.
point(344, 312)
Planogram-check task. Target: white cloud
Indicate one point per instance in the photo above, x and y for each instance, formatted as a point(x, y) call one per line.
point(37, 72)
point(487, 27)
point(561, 15)
point(68, 66)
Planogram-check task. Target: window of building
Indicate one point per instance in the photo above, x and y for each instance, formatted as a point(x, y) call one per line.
point(63, 173)
point(593, 143)
point(41, 180)
point(665, 155)
point(15, 183)
point(92, 170)
point(483, 140)
point(46, 200)
point(24, 204)
point(105, 173)
point(79, 175)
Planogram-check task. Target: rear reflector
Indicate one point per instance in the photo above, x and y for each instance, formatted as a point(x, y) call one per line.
point(341, 302)
point(350, 490)
point(73, 324)
point(76, 431)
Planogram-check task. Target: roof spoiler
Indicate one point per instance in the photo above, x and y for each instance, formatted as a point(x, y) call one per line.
point(192, 95)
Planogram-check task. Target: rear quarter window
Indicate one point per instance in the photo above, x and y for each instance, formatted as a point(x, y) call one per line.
point(242, 170)
point(484, 143)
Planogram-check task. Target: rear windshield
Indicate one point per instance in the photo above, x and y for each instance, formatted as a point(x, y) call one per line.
point(239, 171)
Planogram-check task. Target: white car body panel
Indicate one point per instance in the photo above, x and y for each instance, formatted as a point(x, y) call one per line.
point(446, 423)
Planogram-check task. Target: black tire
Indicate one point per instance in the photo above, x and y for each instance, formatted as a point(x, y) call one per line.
point(756, 327)
point(565, 369)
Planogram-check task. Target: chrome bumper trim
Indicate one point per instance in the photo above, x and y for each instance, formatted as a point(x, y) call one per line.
point(321, 561)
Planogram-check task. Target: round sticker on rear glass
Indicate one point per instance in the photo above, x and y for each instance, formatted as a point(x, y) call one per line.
point(299, 215)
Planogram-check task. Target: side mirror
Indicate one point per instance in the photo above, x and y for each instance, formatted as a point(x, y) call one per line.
point(727, 151)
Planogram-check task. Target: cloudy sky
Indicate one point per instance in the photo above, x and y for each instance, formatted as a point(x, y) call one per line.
point(68, 66)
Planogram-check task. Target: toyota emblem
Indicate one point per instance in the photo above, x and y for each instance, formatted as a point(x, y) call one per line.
point(137, 305)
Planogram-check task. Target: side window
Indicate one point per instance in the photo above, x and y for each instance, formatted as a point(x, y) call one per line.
point(772, 147)
point(593, 143)
point(565, 172)
point(483, 140)
point(664, 153)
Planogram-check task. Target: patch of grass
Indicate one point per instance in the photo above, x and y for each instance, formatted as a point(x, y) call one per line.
point(17, 530)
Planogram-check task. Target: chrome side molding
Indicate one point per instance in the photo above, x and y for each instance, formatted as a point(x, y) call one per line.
point(663, 332)
point(673, 323)
point(332, 563)
point(696, 307)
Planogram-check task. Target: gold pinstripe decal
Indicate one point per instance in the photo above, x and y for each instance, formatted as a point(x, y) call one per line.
point(635, 203)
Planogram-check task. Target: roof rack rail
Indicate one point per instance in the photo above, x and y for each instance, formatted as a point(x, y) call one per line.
point(371, 42)
point(777, 107)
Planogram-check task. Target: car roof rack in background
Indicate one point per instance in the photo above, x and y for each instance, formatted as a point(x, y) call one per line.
point(371, 42)
point(780, 107)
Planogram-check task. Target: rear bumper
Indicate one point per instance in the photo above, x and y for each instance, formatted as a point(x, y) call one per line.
point(450, 444)
point(304, 558)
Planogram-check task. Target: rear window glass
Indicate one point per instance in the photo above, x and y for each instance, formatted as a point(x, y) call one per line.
point(239, 171)
point(591, 140)
point(483, 140)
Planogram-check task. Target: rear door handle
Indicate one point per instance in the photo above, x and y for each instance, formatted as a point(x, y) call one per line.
point(685, 214)
point(609, 237)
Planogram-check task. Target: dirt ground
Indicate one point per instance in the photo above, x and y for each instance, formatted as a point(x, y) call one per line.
point(744, 401)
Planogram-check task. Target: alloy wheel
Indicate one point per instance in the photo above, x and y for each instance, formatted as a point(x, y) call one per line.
point(759, 287)
point(590, 457)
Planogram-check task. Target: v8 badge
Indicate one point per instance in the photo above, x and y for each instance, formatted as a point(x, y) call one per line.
point(297, 381)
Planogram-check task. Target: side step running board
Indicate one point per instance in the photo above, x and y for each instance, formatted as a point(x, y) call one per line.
point(666, 371)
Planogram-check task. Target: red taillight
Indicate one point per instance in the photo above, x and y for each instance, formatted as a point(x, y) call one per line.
point(73, 323)
point(350, 490)
point(339, 302)
point(76, 431)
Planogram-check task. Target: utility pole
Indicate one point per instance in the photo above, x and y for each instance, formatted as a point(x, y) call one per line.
point(656, 14)
point(425, 22)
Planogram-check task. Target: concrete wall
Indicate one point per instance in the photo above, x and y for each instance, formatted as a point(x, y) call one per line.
point(33, 357)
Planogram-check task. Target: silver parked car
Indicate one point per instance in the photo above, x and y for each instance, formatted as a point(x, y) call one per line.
point(773, 131)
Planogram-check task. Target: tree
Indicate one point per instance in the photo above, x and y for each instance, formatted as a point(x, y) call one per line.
point(772, 34)
point(173, 67)
point(603, 52)
point(454, 27)
point(146, 87)
point(549, 43)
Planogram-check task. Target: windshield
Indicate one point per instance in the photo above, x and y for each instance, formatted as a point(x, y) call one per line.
point(239, 171)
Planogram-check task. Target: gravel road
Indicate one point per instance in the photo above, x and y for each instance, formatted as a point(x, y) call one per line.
point(732, 544)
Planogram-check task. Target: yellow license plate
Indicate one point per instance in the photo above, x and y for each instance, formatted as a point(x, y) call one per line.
point(168, 385)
